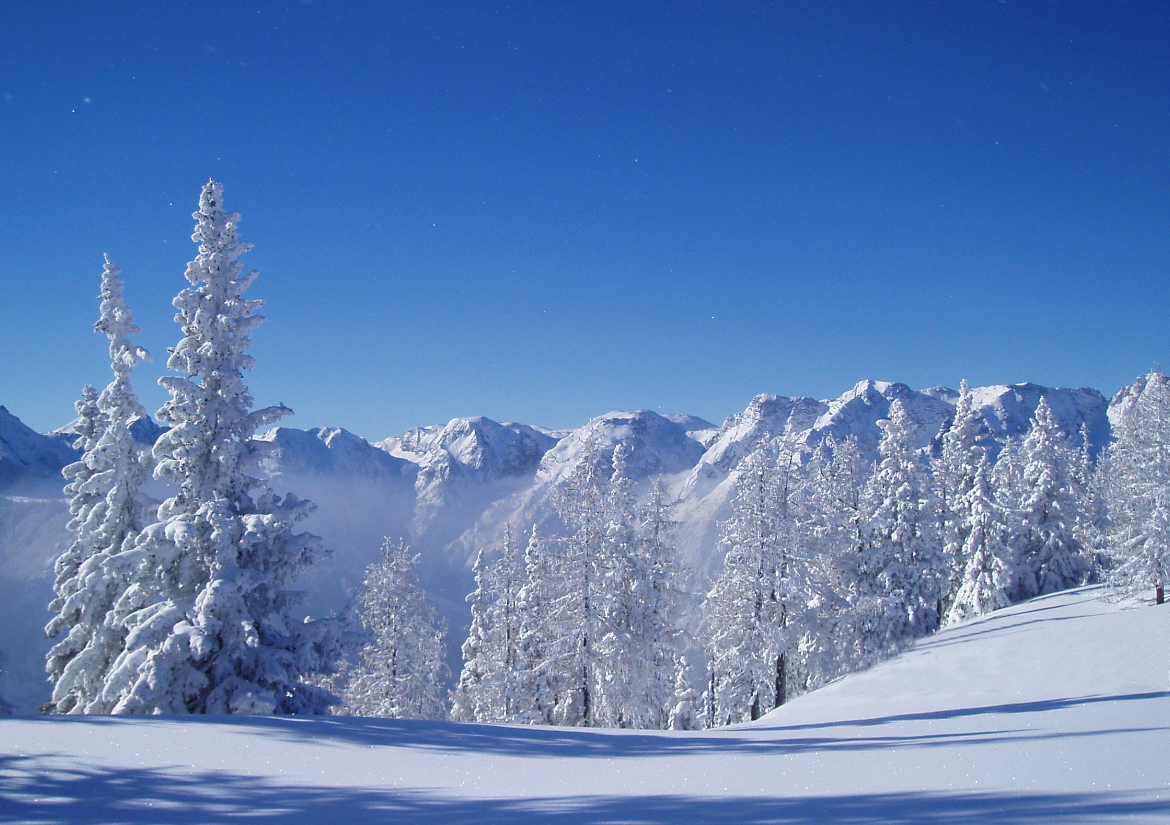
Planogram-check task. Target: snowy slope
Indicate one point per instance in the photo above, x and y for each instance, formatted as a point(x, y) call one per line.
point(1054, 711)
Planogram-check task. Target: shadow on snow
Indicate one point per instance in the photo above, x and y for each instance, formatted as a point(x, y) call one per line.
point(545, 741)
point(107, 795)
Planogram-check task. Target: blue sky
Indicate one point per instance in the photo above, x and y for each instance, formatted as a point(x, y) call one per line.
point(543, 211)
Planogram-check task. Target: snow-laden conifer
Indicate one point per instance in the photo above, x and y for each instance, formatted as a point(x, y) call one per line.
point(535, 689)
point(656, 617)
point(838, 598)
point(746, 611)
point(684, 711)
point(210, 617)
point(625, 669)
point(904, 555)
point(1090, 482)
point(988, 576)
point(1137, 491)
point(109, 511)
point(598, 642)
point(489, 684)
point(401, 670)
point(955, 470)
point(575, 608)
point(468, 703)
point(1049, 510)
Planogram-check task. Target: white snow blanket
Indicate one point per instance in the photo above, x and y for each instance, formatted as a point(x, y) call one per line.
point(1053, 711)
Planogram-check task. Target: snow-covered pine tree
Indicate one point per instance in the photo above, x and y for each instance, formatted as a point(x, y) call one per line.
point(210, 616)
point(401, 670)
point(745, 614)
point(656, 616)
point(820, 502)
point(575, 605)
point(508, 577)
point(109, 511)
point(1050, 510)
point(489, 683)
point(684, 714)
point(468, 700)
point(1137, 491)
point(904, 555)
point(1093, 528)
point(534, 691)
point(830, 542)
point(624, 675)
point(988, 576)
point(955, 469)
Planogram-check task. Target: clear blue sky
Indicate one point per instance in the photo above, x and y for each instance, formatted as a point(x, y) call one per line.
point(542, 211)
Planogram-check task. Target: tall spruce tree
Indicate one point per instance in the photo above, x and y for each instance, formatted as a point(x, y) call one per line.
point(109, 511)
point(210, 616)
point(537, 682)
point(576, 618)
point(654, 600)
point(470, 701)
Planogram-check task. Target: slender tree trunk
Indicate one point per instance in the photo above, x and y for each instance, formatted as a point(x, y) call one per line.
point(1159, 595)
point(781, 679)
point(711, 700)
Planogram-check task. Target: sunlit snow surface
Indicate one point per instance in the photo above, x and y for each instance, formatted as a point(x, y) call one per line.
point(1052, 711)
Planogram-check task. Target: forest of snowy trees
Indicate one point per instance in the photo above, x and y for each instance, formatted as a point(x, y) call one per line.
point(828, 566)
point(830, 562)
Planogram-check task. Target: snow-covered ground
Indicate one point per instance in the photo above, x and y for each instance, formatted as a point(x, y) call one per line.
point(1053, 711)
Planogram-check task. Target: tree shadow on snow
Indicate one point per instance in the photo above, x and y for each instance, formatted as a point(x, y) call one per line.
point(1037, 706)
point(144, 795)
point(553, 742)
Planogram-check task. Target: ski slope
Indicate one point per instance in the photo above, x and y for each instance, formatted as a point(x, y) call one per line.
point(1053, 711)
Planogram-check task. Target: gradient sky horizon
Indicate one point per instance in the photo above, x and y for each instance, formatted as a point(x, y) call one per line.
point(540, 212)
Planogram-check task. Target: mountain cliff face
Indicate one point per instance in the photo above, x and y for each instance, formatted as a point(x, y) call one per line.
point(450, 489)
point(29, 461)
point(700, 463)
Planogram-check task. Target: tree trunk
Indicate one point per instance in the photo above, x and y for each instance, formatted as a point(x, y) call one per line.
point(711, 701)
point(1159, 595)
point(781, 679)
